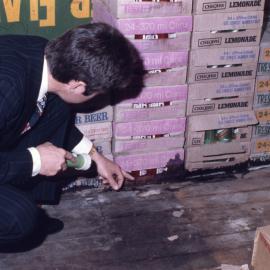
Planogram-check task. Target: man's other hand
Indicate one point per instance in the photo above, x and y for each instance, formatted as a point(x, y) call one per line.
point(53, 159)
point(110, 172)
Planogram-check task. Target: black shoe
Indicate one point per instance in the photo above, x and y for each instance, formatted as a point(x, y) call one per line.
point(50, 225)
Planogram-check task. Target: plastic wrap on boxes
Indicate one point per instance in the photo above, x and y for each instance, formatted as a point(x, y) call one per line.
point(157, 128)
point(133, 9)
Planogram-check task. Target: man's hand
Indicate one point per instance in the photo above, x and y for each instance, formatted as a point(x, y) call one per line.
point(53, 159)
point(110, 172)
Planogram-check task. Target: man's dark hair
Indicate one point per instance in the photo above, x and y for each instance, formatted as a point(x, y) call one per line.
point(98, 55)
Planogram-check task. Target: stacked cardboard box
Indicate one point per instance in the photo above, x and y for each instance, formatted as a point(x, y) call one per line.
point(222, 70)
point(149, 130)
point(97, 126)
point(260, 150)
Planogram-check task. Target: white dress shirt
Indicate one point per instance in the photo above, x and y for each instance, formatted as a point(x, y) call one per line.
point(83, 147)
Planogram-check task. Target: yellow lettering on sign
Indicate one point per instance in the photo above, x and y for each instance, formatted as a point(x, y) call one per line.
point(12, 9)
point(34, 10)
point(80, 8)
point(50, 6)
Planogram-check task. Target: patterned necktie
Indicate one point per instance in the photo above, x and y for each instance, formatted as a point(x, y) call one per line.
point(36, 115)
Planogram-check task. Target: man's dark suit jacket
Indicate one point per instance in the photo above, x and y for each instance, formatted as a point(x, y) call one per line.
point(21, 64)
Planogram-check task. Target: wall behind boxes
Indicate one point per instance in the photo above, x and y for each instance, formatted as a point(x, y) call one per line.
point(47, 18)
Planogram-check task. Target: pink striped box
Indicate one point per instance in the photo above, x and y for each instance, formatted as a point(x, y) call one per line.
point(139, 9)
point(97, 131)
point(165, 60)
point(146, 145)
point(175, 109)
point(156, 128)
point(152, 25)
point(158, 94)
point(174, 76)
point(153, 103)
point(153, 160)
point(161, 43)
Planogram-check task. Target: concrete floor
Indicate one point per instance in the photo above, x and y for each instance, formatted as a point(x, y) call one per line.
point(194, 225)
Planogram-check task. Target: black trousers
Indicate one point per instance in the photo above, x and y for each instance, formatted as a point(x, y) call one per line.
point(19, 213)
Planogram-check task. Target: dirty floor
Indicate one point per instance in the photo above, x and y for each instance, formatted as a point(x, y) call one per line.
point(194, 225)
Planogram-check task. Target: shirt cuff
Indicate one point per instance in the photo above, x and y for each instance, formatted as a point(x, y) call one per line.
point(36, 160)
point(83, 147)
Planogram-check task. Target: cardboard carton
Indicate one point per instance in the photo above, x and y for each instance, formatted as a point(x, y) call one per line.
point(153, 160)
point(262, 84)
point(260, 157)
point(214, 106)
point(147, 145)
point(149, 25)
point(261, 250)
point(195, 138)
point(260, 145)
point(97, 131)
point(202, 40)
point(263, 69)
point(217, 6)
point(263, 115)
point(261, 99)
point(224, 56)
point(103, 146)
point(261, 130)
point(139, 9)
point(157, 94)
point(220, 121)
point(265, 47)
point(103, 115)
point(215, 156)
point(223, 73)
point(221, 89)
point(153, 103)
point(165, 60)
point(149, 129)
point(240, 121)
point(173, 76)
point(228, 21)
point(156, 111)
point(161, 42)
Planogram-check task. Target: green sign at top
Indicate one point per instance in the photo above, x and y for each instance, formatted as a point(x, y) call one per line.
point(47, 18)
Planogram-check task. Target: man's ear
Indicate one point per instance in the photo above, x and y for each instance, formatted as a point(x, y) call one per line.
point(77, 87)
